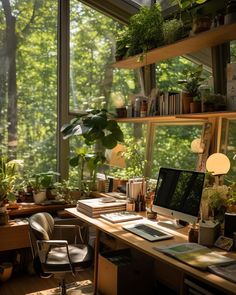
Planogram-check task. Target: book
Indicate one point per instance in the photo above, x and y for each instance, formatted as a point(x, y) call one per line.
point(226, 270)
point(195, 255)
point(98, 213)
point(121, 216)
point(96, 206)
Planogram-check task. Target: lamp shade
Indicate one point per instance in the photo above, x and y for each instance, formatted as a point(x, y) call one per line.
point(197, 146)
point(114, 157)
point(218, 164)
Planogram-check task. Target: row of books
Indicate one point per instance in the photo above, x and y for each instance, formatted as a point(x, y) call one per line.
point(165, 103)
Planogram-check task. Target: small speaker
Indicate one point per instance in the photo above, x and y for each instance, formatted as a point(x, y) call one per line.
point(230, 224)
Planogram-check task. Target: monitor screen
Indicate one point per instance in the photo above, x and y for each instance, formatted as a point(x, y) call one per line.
point(178, 194)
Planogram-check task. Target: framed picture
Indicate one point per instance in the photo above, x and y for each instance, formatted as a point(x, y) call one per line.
point(224, 243)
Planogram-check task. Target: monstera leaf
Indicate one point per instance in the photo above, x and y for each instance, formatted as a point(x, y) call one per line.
point(94, 126)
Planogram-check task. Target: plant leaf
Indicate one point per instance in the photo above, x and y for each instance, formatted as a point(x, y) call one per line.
point(74, 161)
point(109, 141)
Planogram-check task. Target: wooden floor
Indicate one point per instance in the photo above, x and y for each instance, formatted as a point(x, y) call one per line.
point(21, 284)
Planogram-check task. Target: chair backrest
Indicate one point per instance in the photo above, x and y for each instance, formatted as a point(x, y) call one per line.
point(42, 224)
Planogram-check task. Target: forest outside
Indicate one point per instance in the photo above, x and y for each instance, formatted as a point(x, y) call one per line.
point(28, 80)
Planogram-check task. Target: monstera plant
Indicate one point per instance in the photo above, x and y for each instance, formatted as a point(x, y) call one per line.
point(98, 131)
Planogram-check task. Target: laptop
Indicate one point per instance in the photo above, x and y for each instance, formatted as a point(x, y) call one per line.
point(148, 232)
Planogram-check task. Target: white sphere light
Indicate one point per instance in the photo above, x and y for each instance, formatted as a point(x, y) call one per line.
point(197, 146)
point(218, 164)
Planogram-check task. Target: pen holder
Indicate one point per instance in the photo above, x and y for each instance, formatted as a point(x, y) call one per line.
point(208, 232)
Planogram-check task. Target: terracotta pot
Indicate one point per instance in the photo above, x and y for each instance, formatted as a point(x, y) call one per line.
point(186, 100)
point(195, 107)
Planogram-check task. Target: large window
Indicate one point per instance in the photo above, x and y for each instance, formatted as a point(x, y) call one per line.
point(28, 82)
point(171, 147)
point(133, 151)
point(93, 80)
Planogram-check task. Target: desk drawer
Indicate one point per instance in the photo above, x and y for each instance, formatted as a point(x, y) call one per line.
point(124, 272)
point(14, 237)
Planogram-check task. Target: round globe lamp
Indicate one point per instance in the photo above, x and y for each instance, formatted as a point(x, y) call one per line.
point(218, 164)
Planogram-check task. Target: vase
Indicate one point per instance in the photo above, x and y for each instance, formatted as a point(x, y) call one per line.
point(39, 197)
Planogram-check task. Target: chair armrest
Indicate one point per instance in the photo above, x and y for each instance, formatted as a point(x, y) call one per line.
point(53, 242)
point(77, 229)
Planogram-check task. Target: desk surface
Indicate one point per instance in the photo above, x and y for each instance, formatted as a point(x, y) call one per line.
point(144, 246)
point(31, 208)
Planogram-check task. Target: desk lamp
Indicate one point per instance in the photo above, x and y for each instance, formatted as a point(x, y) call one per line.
point(218, 164)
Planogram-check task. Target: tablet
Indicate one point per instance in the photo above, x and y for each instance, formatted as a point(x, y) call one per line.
point(148, 232)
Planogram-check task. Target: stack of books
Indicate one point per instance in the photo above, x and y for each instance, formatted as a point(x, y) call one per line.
point(97, 206)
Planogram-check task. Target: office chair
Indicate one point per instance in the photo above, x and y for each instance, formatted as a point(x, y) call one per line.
point(56, 257)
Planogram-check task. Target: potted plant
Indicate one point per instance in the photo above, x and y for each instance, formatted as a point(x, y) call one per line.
point(191, 93)
point(42, 184)
point(98, 131)
point(215, 198)
point(174, 30)
point(214, 102)
point(143, 33)
point(9, 176)
point(231, 201)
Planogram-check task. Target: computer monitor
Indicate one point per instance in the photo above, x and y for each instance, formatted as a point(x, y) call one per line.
point(178, 195)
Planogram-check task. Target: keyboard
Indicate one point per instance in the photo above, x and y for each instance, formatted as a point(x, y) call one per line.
point(148, 232)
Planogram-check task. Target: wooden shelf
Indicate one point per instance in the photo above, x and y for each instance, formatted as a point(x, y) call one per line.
point(206, 39)
point(179, 117)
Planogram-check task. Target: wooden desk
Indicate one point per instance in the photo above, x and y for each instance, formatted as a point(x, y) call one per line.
point(115, 230)
point(31, 208)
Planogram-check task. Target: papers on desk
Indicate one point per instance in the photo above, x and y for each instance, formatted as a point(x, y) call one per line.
point(96, 206)
point(195, 255)
point(121, 216)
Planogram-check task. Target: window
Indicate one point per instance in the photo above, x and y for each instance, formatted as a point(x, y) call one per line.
point(93, 81)
point(28, 82)
point(171, 147)
point(133, 150)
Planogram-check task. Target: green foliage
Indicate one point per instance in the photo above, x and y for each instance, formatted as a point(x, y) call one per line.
point(134, 158)
point(192, 81)
point(144, 32)
point(173, 30)
point(43, 180)
point(9, 178)
point(184, 4)
point(95, 127)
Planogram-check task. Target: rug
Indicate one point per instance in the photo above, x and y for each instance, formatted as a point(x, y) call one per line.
point(82, 288)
